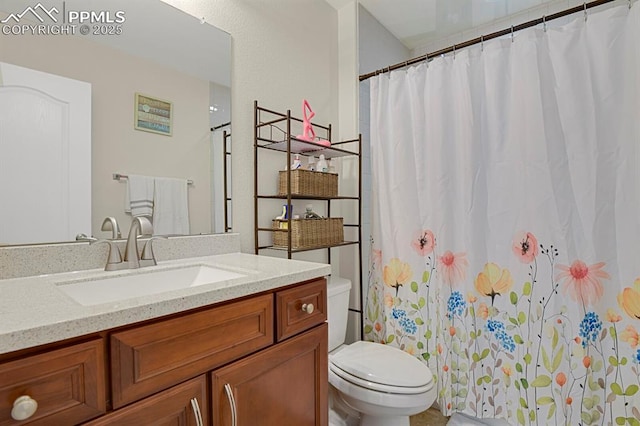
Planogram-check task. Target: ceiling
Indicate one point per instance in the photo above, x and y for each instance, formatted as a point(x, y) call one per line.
point(418, 22)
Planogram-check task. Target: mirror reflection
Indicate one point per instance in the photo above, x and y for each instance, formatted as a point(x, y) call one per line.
point(135, 89)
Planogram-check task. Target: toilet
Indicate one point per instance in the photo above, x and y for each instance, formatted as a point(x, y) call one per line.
point(380, 384)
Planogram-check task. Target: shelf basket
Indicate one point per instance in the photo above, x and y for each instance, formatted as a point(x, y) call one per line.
point(308, 183)
point(308, 233)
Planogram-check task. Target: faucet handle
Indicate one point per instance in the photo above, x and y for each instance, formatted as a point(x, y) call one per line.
point(148, 258)
point(111, 224)
point(114, 258)
point(146, 228)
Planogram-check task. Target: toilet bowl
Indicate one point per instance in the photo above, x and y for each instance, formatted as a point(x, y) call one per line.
point(384, 384)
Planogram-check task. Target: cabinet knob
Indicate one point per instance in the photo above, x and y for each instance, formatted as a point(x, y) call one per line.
point(23, 407)
point(308, 308)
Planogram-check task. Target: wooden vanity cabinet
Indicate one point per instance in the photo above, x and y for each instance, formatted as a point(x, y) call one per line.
point(264, 355)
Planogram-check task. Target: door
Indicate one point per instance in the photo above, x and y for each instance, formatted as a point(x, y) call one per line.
point(285, 384)
point(45, 130)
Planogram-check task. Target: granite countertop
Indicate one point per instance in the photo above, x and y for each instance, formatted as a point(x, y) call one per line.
point(34, 311)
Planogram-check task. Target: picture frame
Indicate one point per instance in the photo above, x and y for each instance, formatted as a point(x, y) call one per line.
point(153, 115)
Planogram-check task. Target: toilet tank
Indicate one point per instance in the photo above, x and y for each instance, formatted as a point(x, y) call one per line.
point(337, 309)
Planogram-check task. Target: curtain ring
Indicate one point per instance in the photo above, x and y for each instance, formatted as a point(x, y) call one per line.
point(512, 34)
point(544, 23)
point(482, 43)
point(454, 51)
point(585, 11)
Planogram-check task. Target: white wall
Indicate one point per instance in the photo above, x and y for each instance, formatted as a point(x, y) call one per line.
point(282, 51)
point(378, 48)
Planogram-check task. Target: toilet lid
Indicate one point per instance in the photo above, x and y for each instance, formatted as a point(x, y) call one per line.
point(382, 364)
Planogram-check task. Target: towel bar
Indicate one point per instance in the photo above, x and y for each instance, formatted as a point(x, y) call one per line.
point(120, 176)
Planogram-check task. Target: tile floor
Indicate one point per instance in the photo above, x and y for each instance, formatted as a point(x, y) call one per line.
point(431, 417)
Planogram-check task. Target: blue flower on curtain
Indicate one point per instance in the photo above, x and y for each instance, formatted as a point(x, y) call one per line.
point(499, 331)
point(505, 340)
point(590, 328)
point(456, 304)
point(408, 325)
point(494, 325)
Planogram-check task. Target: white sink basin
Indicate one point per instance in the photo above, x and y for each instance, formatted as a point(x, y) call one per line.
point(105, 290)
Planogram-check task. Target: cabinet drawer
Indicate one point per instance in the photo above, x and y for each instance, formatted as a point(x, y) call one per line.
point(291, 305)
point(153, 357)
point(68, 384)
point(174, 406)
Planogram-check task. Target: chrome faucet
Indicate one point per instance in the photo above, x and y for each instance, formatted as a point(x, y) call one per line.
point(110, 224)
point(140, 225)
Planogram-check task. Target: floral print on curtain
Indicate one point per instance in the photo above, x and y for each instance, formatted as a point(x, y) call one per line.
point(564, 370)
point(505, 222)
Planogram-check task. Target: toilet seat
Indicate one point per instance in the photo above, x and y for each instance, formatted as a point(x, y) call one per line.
point(381, 368)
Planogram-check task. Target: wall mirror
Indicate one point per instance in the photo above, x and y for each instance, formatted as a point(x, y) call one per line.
point(122, 49)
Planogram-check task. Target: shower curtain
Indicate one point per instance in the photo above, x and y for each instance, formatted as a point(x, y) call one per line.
point(506, 222)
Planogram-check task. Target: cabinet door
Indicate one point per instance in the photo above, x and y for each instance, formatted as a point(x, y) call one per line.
point(182, 405)
point(153, 357)
point(67, 384)
point(285, 384)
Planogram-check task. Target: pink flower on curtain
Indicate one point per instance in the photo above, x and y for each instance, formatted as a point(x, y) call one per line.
point(376, 257)
point(396, 273)
point(525, 247)
point(493, 281)
point(630, 335)
point(452, 267)
point(483, 311)
point(583, 283)
point(424, 242)
point(629, 300)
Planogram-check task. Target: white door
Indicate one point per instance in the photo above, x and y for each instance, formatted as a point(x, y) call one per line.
point(45, 156)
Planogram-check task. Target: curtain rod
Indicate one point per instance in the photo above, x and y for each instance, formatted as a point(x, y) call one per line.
point(482, 39)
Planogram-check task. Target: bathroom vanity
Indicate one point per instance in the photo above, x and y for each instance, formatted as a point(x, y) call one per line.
point(243, 351)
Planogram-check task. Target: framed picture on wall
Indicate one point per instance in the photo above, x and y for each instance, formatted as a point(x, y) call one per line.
point(153, 115)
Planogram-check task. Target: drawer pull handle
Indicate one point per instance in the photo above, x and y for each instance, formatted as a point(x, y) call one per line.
point(196, 411)
point(232, 403)
point(23, 407)
point(308, 308)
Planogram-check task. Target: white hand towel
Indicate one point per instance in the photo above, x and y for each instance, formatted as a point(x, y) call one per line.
point(139, 195)
point(170, 207)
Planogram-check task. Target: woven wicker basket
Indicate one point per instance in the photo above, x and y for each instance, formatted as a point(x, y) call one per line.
point(308, 183)
point(308, 233)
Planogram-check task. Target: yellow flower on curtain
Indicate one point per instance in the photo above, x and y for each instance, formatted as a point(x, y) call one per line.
point(629, 300)
point(630, 335)
point(396, 273)
point(612, 316)
point(493, 281)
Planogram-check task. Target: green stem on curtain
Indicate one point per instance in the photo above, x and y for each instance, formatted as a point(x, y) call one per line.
point(554, 288)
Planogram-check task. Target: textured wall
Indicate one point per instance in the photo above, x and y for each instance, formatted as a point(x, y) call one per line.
point(282, 51)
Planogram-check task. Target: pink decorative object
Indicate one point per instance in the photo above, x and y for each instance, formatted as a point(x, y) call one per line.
point(307, 129)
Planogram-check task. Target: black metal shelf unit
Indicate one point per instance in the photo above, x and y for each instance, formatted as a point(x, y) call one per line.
point(273, 131)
